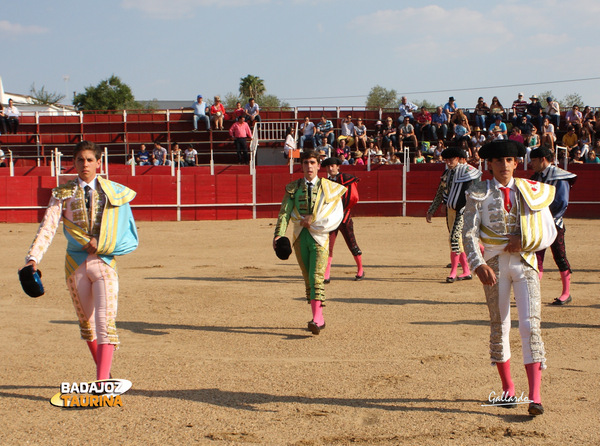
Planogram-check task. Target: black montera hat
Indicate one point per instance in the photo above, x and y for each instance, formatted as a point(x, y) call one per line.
point(452, 152)
point(31, 281)
point(330, 161)
point(502, 149)
point(542, 152)
point(283, 248)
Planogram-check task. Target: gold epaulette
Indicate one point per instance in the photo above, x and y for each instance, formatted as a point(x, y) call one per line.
point(478, 190)
point(292, 187)
point(65, 191)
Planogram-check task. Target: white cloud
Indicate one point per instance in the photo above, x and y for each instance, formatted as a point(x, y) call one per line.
point(175, 9)
point(9, 29)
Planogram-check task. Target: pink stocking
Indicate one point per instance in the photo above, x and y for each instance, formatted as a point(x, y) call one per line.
point(508, 387)
point(534, 376)
point(105, 356)
point(358, 260)
point(465, 265)
point(540, 262)
point(93, 346)
point(565, 276)
point(328, 269)
point(454, 258)
point(317, 311)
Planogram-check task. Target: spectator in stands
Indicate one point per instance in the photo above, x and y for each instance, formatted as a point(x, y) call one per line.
point(200, 109)
point(360, 134)
point(481, 113)
point(191, 156)
point(576, 158)
point(589, 120)
point(526, 126)
point(372, 150)
point(596, 133)
point(378, 133)
point(325, 147)
point(308, 132)
point(419, 158)
point(347, 131)
point(322, 155)
point(239, 111)
point(498, 129)
point(591, 158)
point(548, 134)
point(239, 131)
point(450, 108)
point(519, 109)
point(553, 112)
point(356, 158)
point(343, 151)
point(496, 109)
point(533, 141)
point(477, 139)
point(515, 135)
point(570, 139)
point(458, 117)
point(390, 139)
point(406, 109)
point(159, 155)
point(143, 156)
point(177, 155)
point(424, 129)
point(290, 142)
point(325, 131)
point(406, 134)
point(585, 141)
point(2, 158)
point(379, 158)
point(462, 131)
point(394, 159)
point(574, 118)
point(12, 117)
point(252, 112)
point(217, 113)
point(474, 160)
point(3, 127)
point(439, 121)
point(534, 112)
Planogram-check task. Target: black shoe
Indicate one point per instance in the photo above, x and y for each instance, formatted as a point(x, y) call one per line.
point(314, 328)
point(361, 277)
point(326, 281)
point(469, 277)
point(535, 409)
point(449, 265)
point(450, 279)
point(557, 301)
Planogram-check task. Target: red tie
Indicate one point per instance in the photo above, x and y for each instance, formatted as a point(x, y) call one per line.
point(507, 203)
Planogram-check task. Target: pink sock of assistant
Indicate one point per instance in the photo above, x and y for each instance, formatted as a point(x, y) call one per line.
point(317, 311)
point(540, 262)
point(534, 377)
point(358, 260)
point(328, 269)
point(105, 356)
point(508, 386)
point(565, 277)
point(465, 264)
point(454, 258)
point(482, 249)
point(93, 346)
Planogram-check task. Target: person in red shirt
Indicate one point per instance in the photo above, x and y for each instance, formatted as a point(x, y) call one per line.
point(424, 128)
point(239, 131)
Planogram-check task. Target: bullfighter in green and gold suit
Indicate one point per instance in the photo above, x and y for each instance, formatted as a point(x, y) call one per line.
point(314, 207)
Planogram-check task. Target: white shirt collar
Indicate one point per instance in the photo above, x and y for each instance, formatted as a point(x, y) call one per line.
point(92, 184)
point(510, 184)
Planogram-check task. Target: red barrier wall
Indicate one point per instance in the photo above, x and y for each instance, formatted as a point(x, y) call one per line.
point(157, 191)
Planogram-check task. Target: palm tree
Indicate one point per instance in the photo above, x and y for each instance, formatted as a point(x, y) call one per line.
point(252, 87)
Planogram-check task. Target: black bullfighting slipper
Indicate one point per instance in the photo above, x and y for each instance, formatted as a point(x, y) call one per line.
point(361, 277)
point(314, 328)
point(535, 409)
point(557, 301)
point(450, 279)
point(326, 281)
point(469, 277)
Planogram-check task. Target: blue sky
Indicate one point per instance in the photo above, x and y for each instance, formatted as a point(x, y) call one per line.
point(309, 52)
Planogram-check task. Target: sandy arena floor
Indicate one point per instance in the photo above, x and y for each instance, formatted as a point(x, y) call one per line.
point(213, 332)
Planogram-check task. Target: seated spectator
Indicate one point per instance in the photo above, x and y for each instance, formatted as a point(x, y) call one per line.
point(481, 113)
point(423, 125)
point(534, 112)
point(177, 155)
point(419, 158)
point(477, 139)
point(498, 129)
point(475, 160)
point(574, 118)
point(396, 158)
point(308, 132)
point(548, 135)
point(12, 117)
point(217, 112)
point(347, 131)
point(324, 131)
point(252, 112)
point(159, 155)
point(326, 148)
point(519, 109)
point(343, 151)
point(239, 111)
point(379, 158)
point(439, 121)
point(143, 156)
point(596, 132)
point(576, 157)
point(553, 112)
point(200, 108)
point(406, 134)
point(525, 126)
point(450, 108)
point(190, 156)
point(496, 109)
point(459, 116)
point(372, 149)
point(406, 109)
point(462, 131)
point(356, 158)
point(570, 139)
point(323, 154)
point(585, 141)
point(390, 139)
point(515, 135)
point(589, 120)
point(3, 121)
point(533, 141)
point(591, 158)
point(360, 134)
point(378, 133)
point(2, 158)
point(290, 142)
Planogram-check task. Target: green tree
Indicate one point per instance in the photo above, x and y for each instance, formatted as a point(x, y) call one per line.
point(543, 95)
point(570, 100)
point(252, 87)
point(109, 94)
point(230, 100)
point(44, 97)
point(380, 97)
point(272, 101)
point(430, 106)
